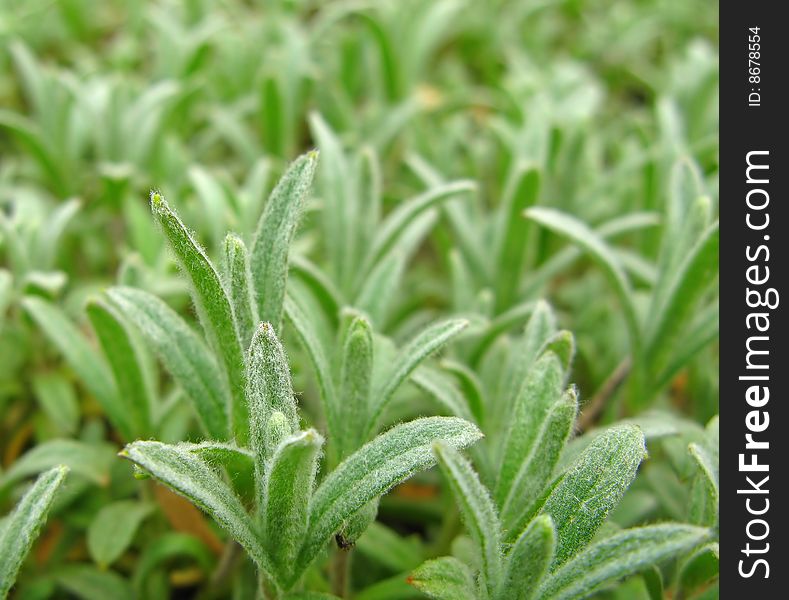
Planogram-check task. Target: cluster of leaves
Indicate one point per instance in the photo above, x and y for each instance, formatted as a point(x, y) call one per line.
point(476, 160)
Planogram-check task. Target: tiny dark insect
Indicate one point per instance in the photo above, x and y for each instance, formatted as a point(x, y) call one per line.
point(342, 543)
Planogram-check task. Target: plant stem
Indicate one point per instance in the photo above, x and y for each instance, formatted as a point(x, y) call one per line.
point(596, 405)
point(341, 572)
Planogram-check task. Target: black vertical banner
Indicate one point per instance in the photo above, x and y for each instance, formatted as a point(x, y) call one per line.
point(753, 268)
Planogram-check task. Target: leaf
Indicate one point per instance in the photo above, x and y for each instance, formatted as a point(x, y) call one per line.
point(167, 547)
point(615, 557)
point(701, 566)
point(444, 578)
point(693, 276)
point(478, 511)
point(704, 493)
point(390, 549)
point(443, 390)
point(397, 222)
point(356, 369)
point(514, 317)
point(311, 342)
point(213, 308)
point(271, 244)
point(22, 526)
point(513, 233)
point(470, 385)
point(698, 335)
point(57, 399)
point(288, 489)
point(238, 284)
point(372, 470)
point(30, 135)
point(81, 357)
point(380, 286)
point(537, 467)
point(268, 390)
point(51, 232)
point(593, 485)
point(599, 251)
point(89, 583)
point(217, 453)
point(537, 396)
point(113, 528)
point(182, 352)
point(321, 286)
point(192, 478)
point(124, 355)
point(528, 560)
point(425, 343)
point(91, 461)
point(340, 207)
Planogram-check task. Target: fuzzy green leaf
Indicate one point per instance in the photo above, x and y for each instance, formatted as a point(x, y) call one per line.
point(319, 284)
point(91, 461)
point(191, 477)
point(537, 466)
point(169, 546)
point(541, 390)
point(21, 527)
point(82, 358)
point(213, 307)
point(540, 328)
point(385, 546)
point(528, 560)
point(289, 484)
point(700, 567)
point(356, 371)
point(443, 390)
point(513, 233)
point(599, 251)
point(444, 578)
point(124, 354)
point(692, 278)
point(425, 343)
point(380, 286)
point(704, 493)
point(470, 385)
point(182, 352)
point(619, 555)
point(397, 222)
point(113, 529)
point(592, 486)
point(312, 344)
point(478, 511)
point(86, 582)
point(372, 470)
point(268, 390)
point(238, 285)
point(56, 397)
point(271, 244)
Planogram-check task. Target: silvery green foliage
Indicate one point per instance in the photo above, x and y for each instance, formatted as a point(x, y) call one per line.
point(445, 578)
point(271, 245)
point(213, 305)
point(540, 516)
point(21, 527)
point(237, 279)
point(183, 353)
point(290, 523)
point(479, 514)
point(592, 486)
point(619, 555)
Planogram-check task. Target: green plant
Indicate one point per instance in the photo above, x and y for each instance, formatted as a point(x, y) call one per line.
point(19, 529)
point(481, 192)
point(289, 525)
